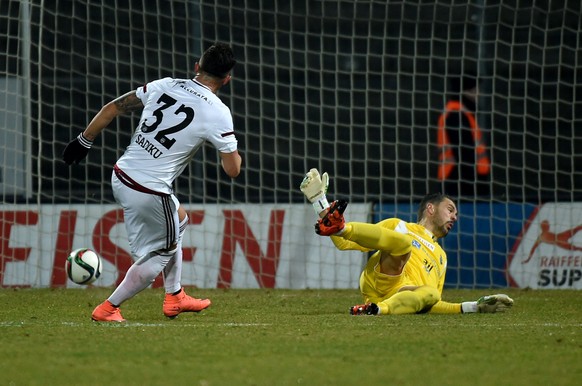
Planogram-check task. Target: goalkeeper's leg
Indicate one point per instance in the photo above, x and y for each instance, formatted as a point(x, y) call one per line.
point(410, 302)
point(374, 236)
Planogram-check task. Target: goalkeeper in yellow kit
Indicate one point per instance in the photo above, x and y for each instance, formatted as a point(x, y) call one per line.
point(406, 274)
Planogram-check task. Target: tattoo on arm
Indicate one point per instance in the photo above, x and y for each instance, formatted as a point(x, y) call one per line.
point(128, 102)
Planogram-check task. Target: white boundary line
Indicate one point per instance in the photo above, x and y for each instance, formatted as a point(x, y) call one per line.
point(366, 319)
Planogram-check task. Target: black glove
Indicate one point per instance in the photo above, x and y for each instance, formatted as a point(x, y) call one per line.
point(76, 150)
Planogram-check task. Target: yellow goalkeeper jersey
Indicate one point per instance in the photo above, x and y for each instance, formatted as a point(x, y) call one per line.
point(428, 261)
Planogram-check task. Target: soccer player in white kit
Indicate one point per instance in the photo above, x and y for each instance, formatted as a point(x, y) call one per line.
point(178, 116)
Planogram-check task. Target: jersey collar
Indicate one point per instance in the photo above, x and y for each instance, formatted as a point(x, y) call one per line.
point(202, 85)
point(430, 234)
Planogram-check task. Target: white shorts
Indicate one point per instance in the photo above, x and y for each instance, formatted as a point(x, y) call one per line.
point(151, 219)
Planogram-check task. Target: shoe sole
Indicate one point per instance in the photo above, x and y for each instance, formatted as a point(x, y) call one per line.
point(180, 312)
point(108, 321)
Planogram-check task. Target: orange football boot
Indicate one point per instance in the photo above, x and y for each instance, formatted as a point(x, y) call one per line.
point(176, 304)
point(106, 312)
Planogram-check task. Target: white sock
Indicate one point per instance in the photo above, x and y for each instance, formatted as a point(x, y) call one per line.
point(139, 276)
point(172, 273)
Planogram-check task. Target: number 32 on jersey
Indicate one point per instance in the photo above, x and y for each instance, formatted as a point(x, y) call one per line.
point(165, 101)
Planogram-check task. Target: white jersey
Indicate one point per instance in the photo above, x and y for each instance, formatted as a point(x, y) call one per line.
point(179, 115)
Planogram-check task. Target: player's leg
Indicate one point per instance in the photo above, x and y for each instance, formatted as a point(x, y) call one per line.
point(140, 276)
point(152, 228)
point(376, 286)
point(391, 294)
point(172, 272)
point(176, 301)
point(376, 237)
point(410, 301)
point(151, 222)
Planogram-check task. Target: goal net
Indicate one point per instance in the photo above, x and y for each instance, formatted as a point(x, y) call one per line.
point(354, 88)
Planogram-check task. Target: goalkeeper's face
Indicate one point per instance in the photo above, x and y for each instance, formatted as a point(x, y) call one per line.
point(444, 218)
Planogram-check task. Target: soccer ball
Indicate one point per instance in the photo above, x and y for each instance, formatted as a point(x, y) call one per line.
point(83, 266)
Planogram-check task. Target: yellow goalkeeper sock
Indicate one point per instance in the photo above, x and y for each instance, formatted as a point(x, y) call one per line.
point(373, 236)
point(410, 302)
point(446, 308)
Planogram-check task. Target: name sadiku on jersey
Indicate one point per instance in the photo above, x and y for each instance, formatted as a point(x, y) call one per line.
point(148, 146)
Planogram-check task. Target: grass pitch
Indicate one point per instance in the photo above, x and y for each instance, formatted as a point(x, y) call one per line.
point(286, 337)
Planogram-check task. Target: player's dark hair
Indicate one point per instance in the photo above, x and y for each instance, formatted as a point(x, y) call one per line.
point(431, 198)
point(217, 60)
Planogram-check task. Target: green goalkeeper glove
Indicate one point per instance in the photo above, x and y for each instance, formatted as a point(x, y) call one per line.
point(488, 304)
point(314, 187)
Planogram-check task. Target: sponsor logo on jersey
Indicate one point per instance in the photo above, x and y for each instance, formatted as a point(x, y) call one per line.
point(415, 244)
point(426, 243)
point(182, 84)
point(428, 266)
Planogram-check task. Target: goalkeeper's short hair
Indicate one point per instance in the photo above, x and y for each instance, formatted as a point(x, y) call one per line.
point(431, 198)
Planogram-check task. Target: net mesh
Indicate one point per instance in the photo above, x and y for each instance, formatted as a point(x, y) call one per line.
point(352, 88)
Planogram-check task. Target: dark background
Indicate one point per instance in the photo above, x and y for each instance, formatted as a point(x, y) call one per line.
point(353, 88)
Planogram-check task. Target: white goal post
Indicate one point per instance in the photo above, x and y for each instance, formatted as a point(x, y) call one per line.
point(354, 88)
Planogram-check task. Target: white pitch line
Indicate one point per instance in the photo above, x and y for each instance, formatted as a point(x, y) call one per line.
point(133, 324)
point(367, 321)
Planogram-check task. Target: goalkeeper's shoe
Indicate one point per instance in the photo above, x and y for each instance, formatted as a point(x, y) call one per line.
point(494, 303)
point(334, 221)
point(107, 312)
point(176, 304)
point(365, 309)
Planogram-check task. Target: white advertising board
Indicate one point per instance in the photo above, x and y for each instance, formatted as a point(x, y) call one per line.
point(225, 246)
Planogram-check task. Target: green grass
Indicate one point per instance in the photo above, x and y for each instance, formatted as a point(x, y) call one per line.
point(286, 337)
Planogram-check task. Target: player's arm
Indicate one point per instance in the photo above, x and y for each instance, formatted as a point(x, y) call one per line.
point(124, 104)
point(78, 148)
point(486, 304)
point(231, 163)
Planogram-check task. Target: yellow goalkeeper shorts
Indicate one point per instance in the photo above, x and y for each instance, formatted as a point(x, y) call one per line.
point(376, 286)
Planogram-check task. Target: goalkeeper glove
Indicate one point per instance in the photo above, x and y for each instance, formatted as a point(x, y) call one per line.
point(76, 150)
point(333, 221)
point(488, 304)
point(314, 187)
